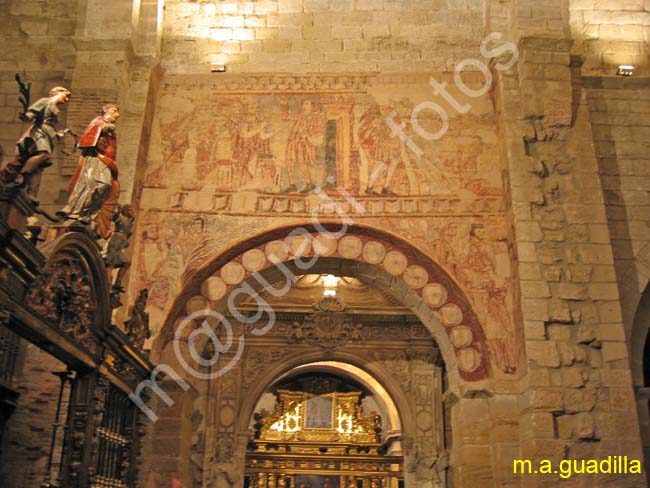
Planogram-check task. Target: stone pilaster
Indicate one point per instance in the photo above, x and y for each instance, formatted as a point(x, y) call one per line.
point(577, 398)
point(168, 441)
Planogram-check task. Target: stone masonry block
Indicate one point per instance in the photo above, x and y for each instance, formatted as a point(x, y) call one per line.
point(603, 291)
point(475, 409)
point(536, 449)
point(289, 6)
point(573, 377)
point(543, 353)
point(572, 291)
point(585, 427)
point(579, 400)
point(535, 309)
point(545, 400)
point(534, 330)
point(535, 289)
point(537, 425)
point(528, 231)
point(565, 426)
point(316, 5)
point(613, 351)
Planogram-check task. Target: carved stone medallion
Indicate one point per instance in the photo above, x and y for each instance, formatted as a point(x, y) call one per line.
point(328, 327)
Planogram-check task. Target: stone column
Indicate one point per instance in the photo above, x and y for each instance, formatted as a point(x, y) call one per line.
point(472, 454)
point(426, 380)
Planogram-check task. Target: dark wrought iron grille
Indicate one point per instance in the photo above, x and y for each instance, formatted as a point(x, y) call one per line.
point(114, 441)
point(9, 345)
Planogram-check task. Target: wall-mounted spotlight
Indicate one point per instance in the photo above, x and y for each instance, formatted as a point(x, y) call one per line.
point(625, 70)
point(217, 67)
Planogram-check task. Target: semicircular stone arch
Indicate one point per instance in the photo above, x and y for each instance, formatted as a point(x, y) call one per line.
point(377, 258)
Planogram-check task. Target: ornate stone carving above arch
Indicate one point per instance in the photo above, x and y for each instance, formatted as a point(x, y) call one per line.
point(375, 257)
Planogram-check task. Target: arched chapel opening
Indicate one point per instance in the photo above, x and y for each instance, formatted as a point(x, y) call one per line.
point(313, 427)
point(345, 390)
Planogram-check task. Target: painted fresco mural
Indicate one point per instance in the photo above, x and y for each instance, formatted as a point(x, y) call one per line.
point(236, 157)
point(211, 139)
point(276, 144)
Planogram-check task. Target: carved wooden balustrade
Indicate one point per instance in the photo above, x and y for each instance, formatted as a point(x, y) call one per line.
point(57, 297)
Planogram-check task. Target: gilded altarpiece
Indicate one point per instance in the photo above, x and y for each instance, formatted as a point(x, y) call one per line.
point(322, 440)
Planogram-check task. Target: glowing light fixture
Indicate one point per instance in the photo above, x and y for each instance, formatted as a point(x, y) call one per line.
point(330, 282)
point(625, 70)
point(217, 67)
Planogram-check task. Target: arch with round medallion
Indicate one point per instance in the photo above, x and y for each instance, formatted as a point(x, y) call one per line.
point(374, 257)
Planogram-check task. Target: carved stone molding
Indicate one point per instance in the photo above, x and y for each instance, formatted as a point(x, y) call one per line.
point(403, 271)
point(280, 82)
point(267, 204)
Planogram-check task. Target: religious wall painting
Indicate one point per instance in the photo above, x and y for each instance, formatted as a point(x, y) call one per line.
point(254, 153)
point(478, 254)
point(170, 249)
point(291, 142)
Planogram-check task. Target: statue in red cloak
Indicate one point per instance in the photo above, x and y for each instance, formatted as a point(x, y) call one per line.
point(94, 189)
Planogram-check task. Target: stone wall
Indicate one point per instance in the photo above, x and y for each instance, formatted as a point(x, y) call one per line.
point(37, 43)
point(578, 399)
point(218, 172)
point(110, 62)
point(619, 115)
point(301, 36)
point(608, 33)
point(29, 429)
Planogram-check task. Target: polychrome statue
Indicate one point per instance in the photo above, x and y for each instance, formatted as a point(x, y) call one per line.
point(137, 326)
point(123, 221)
point(94, 189)
point(36, 145)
